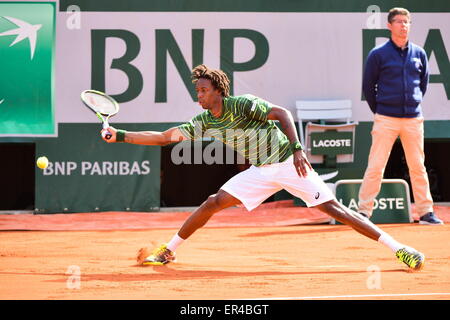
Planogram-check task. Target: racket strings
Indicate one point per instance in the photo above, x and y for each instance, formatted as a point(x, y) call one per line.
point(100, 104)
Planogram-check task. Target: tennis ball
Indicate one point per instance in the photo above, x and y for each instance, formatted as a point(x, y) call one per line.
point(42, 162)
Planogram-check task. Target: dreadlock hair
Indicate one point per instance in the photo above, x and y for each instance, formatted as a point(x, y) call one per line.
point(218, 78)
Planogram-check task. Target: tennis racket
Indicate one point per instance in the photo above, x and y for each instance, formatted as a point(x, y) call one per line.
point(102, 105)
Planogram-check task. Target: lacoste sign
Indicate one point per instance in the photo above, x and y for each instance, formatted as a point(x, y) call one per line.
point(331, 142)
point(392, 205)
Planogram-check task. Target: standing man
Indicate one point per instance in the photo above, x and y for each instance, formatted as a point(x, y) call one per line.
point(394, 82)
point(246, 124)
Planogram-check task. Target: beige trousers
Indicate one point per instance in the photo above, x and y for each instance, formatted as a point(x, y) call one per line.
point(384, 133)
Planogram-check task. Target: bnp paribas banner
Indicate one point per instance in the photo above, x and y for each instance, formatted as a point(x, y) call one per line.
point(85, 174)
point(27, 41)
point(141, 52)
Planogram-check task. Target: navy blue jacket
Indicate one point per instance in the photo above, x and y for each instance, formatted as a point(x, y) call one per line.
point(395, 80)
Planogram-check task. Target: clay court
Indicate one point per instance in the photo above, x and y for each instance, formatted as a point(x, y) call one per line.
point(270, 253)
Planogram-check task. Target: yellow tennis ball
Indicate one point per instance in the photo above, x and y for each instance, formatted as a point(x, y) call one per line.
point(42, 162)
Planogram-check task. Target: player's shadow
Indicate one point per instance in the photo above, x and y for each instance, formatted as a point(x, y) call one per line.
point(189, 274)
point(167, 273)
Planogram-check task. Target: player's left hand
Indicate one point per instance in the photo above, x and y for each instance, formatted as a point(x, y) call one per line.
point(301, 163)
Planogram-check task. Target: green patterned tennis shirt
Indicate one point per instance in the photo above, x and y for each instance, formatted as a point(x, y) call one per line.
point(244, 127)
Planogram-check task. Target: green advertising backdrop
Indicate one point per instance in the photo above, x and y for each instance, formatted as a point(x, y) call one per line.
point(86, 174)
point(27, 37)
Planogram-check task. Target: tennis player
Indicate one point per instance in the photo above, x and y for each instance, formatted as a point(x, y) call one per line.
point(247, 124)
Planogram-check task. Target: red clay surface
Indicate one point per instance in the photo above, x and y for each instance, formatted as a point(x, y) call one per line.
point(271, 255)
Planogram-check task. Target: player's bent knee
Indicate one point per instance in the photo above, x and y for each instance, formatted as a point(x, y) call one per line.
point(221, 200)
point(215, 202)
point(211, 201)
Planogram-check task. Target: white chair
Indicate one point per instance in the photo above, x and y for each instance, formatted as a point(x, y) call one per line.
point(324, 110)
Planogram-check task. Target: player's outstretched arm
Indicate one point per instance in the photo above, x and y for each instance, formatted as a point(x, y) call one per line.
point(152, 138)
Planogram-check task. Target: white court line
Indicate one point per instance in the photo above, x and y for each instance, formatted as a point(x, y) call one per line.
point(358, 296)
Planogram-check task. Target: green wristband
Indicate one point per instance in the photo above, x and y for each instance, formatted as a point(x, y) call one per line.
point(120, 135)
point(295, 146)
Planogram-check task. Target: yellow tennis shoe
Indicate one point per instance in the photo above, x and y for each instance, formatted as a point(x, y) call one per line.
point(412, 258)
point(160, 256)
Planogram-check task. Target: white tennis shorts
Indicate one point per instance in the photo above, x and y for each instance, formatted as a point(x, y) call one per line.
point(256, 184)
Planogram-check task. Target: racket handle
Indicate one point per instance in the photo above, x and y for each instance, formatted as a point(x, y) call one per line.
point(106, 134)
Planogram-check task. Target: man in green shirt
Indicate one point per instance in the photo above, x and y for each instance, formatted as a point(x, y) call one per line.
point(246, 123)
